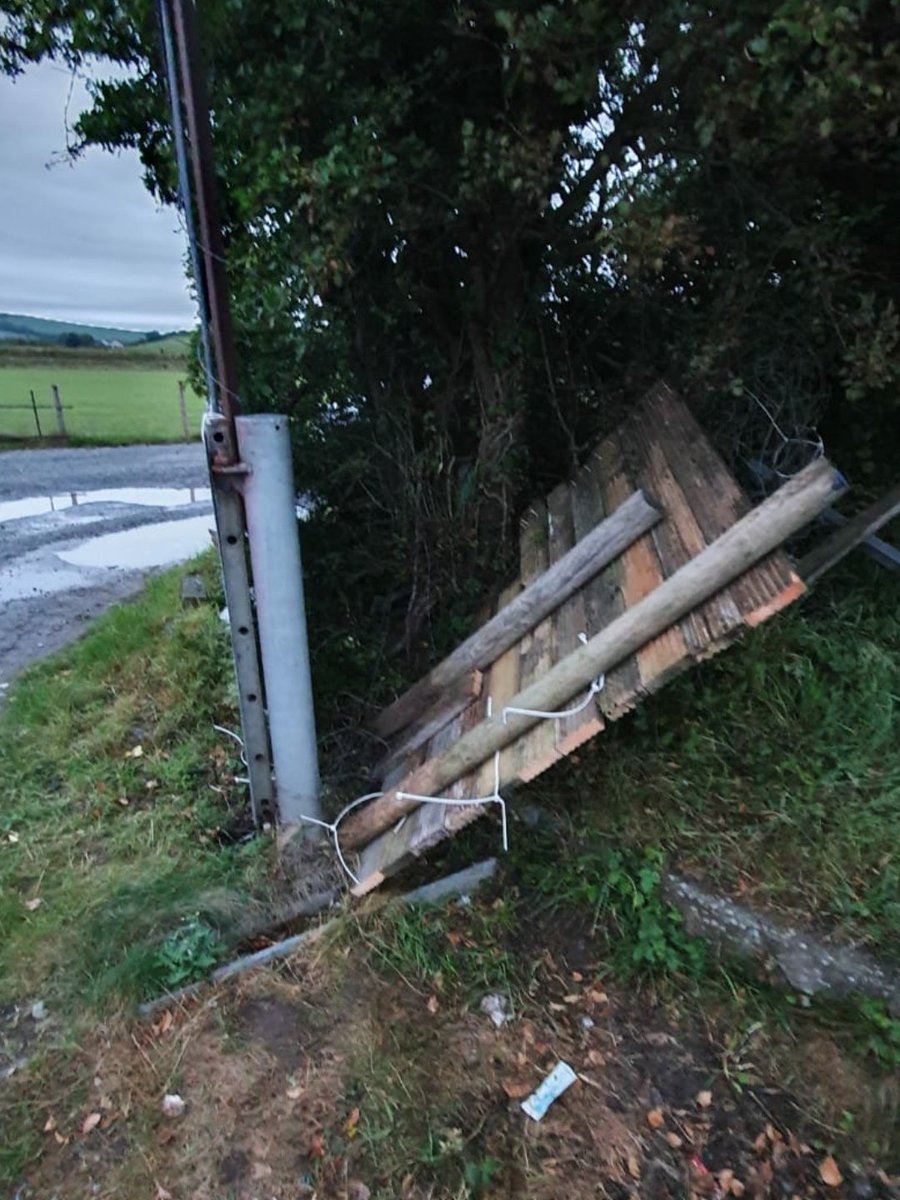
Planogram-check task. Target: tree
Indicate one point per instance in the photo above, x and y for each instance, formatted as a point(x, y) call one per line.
point(462, 238)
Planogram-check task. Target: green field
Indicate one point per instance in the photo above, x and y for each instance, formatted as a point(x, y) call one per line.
point(105, 404)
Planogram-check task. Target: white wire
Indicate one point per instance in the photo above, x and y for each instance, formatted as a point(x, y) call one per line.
point(596, 686)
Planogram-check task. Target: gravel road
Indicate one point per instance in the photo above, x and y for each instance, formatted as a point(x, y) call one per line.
point(82, 529)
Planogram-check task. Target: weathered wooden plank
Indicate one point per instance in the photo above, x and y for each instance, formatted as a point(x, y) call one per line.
point(546, 590)
point(536, 750)
point(503, 683)
point(857, 529)
point(790, 508)
point(642, 575)
point(683, 538)
point(454, 700)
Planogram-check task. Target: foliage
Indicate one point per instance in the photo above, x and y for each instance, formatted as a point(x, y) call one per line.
point(882, 1037)
point(186, 954)
point(461, 240)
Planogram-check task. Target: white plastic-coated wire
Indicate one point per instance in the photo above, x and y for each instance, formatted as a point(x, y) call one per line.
point(332, 827)
point(596, 686)
point(815, 442)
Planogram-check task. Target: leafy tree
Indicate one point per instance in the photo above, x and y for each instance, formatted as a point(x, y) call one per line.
point(462, 237)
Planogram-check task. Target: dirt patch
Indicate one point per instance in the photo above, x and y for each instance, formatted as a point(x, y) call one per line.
point(325, 1080)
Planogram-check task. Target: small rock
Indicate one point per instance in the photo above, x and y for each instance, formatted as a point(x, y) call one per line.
point(173, 1105)
point(495, 1006)
point(38, 1011)
point(587, 1023)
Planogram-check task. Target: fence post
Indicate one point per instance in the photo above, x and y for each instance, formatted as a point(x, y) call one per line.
point(57, 404)
point(37, 419)
point(183, 405)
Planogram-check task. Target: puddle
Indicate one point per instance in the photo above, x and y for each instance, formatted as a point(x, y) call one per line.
point(156, 545)
point(39, 506)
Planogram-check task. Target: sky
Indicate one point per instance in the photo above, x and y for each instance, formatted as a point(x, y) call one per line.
point(83, 242)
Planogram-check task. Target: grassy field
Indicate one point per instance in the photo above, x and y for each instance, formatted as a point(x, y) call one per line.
point(106, 404)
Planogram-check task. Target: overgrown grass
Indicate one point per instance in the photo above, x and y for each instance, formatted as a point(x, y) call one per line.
point(110, 833)
point(773, 771)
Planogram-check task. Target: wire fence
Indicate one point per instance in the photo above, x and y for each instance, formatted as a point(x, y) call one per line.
point(112, 408)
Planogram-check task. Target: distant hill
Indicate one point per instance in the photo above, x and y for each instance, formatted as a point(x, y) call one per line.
point(16, 326)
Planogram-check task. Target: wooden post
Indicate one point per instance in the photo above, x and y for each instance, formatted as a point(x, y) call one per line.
point(856, 530)
point(546, 593)
point(57, 404)
point(794, 505)
point(183, 406)
point(37, 419)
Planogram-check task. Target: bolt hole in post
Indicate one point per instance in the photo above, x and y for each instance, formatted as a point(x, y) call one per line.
point(244, 630)
point(231, 539)
point(219, 436)
point(252, 697)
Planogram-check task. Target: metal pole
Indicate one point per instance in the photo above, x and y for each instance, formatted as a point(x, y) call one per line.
point(224, 469)
point(270, 503)
point(212, 247)
point(37, 419)
point(57, 404)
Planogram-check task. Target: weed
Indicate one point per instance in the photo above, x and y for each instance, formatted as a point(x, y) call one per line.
point(881, 1032)
point(459, 950)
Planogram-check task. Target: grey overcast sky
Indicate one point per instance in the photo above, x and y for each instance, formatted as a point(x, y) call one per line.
point(83, 242)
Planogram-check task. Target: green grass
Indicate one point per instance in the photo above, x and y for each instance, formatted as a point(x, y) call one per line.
point(104, 404)
point(176, 345)
point(120, 847)
point(774, 771)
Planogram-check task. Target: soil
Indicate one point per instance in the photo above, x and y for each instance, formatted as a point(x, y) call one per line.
point(324, 1079)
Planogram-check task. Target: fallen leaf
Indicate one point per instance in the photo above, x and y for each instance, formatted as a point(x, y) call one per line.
point(36, 902)
point(737, 1188)
point(161, 1193)
point(260, 1170)
point(123, 800)
point(50, 1124)
point(674, 1141)
point(357, 1190)
point(761, 1144)
point(91, 1121)
point(516, 1091)
point(773, 1134)
point(12, 838)
point(598, 997)
point(704, 1099)
point(554, 1007)
point(829, 1172)
point(595, 1058)
point(454, 937)
point(352, 1122)
point(294, 1093)
point(577, 976)
point(433, 1004)
point(572, 998)
point(725, 1177)
point(634, 1169)
point(655, 1118)
point(62, 1141)
point(316, 1147)
point(135, 752)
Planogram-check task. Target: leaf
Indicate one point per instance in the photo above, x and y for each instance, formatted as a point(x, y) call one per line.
point(91, 1121)
point(433, 1004)
point(829, 1172)
point(634, 1169)
point(655, 1118)
point(516, 1091)
point(135, 752)
point(674, 1140)
point(50, 1124)
point(352, 1122)
point(704, 1099)
point(34, 903)
point(316, 1147)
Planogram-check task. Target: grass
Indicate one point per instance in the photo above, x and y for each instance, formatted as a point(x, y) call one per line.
point(106, 404)
point(774, 771)
point(114, 880)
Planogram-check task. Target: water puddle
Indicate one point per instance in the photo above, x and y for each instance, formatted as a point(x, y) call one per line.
point(39, 506)
point(158, 545)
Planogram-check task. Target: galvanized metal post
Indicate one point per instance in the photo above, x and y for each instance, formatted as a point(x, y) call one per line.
point(233, 556)
point(270, 504)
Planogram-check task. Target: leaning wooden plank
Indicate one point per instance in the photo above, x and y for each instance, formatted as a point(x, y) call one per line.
point(458, 696)
point(546, 593)
point(824, 556)
point(749, 540)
